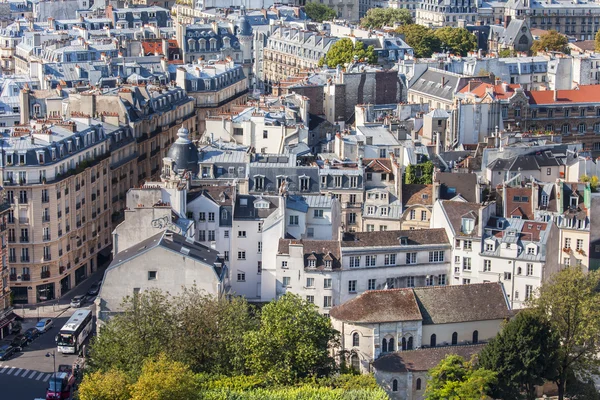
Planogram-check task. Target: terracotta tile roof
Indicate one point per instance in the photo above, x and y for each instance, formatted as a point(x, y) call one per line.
point(417, 194)
point(392, 238)
point(462, 303)
point(480, 89)
point(321, 250)
point(584, 94)
point(518, 202)
point(532, 230)
point(423, 359)
point(379, 306)
point(378, 165)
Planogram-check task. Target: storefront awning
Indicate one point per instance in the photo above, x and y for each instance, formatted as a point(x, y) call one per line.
point(8, 319)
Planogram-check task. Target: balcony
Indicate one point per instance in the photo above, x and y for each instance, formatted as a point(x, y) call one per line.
point(13, 277)
point(24, 239)
point(352, 205)
point(25, 277)
point(78, 206)
point(142, 157)
point(24, 259)
point(47, 257)
point(46, 238)
point(45, 199)
point(60, 252)
point(45, 274)
point(45, 218)
point(59, 214)
point(77, 187)
point(23, 220)
point(154, 152)
point(66, 210)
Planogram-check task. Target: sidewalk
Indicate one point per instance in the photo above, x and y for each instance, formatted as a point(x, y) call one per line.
point(47, 311)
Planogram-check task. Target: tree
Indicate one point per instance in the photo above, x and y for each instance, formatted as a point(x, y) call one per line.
point(455, 378)
point(293, 341)
point(345, 51)
point(598, 41)
point(456, 40)
point(319, 12)
point(164, 378)
point(570, 303)
point(524, 354)
point(421, 39)
point(379, 17)
point(592, 180)
point(551, 41)
point(504, 53)
point(110, 385)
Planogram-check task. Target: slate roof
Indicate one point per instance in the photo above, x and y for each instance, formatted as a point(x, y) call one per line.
point(462, 303)
point(392, 238)
point(321, 250)
point(375, 306)
point(453, 184)
point(422, 359)
point(248, 211)
point(417, 194)
point(532, 162)
point(430, 83)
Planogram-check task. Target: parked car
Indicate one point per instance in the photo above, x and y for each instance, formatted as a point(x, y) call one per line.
point(94, 289)
point(16, 327)
point(20, 341)
point(44, 325)
point(6, 352)
point(77, 301)
point(31, 334)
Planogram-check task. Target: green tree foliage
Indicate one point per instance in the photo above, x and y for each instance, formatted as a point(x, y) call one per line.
point(110, 385)
point(319, 12)
point(455, 378)
point(343, 52)
point(598, 41)
point(307, 392)
point(551, 41)
point(570, 303)
point(420, 173)
point(164, 378)
point(504, 53)
point(456, 40)
point(202, 331)
point(421, 39)
point(592, 180)
point(524, 354)
point(379, 17)
point(292, 341)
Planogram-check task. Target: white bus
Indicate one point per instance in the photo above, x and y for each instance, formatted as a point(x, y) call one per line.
point(74, 332)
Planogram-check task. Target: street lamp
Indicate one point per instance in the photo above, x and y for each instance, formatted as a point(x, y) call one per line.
point(53, 355)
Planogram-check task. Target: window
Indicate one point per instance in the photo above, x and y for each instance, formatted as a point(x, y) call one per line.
point(355, 362)
point(466, 263)
point(507, 276)
point(394, 384)
point(581, 128)
point(467, 225)
point(531, 250)
point(259, 250)
point(410, 281)
point(211, 236)
point(226, 234)
point(411, 258)
point(202, 216)
point(579, 245)
point(241, 255)
point(389, 259)
point(413, 215)
point(293, 220)
point(312, 263)
point(442, 279)
point(352, 286)
point(528, 291)
point(226, 255)
point(337, 181)
point(310, 299)
point(383, 228)
point(487, 265)
point(370, 210)
point(567, 261)
point(371, 284)
point(355, 339)
point(418, 386)
point(370, 261)
point(151, 275)
point(287, 281)
point(259, 268)
point(475, 337)
point(265, 134)
point(468, 245)
point(211, 217)
point(429, 280)
point(567, 243)
point(327, 283)
point(318, 213)
point(241, 276)
point(466, 281)
point(454, 338)
point(284, 264)
point(423, 215)
point(327, 301)
point(370, 228)
point(436, 256)
point(354, 261)
point(202, 236)
point(432, 340)
point(384, 211)
point(529, 269)
point(241, 234)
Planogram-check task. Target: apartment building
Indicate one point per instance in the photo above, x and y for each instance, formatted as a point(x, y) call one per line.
point(438, 13)
point(57, 179)
point(6, 314)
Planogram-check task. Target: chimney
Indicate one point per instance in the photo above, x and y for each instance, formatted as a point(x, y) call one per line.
point(51, 22)
point(506, 22)
point(505, 87)
point(24, 105)
point(555, 94)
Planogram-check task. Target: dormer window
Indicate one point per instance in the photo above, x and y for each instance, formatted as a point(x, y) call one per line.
point(259, 182)
point(532, 249)
point(41, 157)
point(467, 225)
point(404, 240)
point(304, 183)
point(261, 204)
point(574, 201)
point(312, 263)
point(243, 202)
point(370, 210)
point(328, 264)
point(384, 211)
point(280, 180)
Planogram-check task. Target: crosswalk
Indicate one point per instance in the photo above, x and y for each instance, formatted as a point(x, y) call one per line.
point(24, 373)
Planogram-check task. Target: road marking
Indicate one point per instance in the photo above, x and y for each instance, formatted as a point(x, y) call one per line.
point(47, 377)
point(40, 376)
point(10, 371)
point(4, 369)
point(19, 371)
point(32, 374)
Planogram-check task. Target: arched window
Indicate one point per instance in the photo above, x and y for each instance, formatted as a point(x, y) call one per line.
point(524, 40)
point(391, 345)
point(395, 385)
point(432, 341)
point(384, 345)
point(475, 337)
point(409, 344)
point(403, 344)
point(455, 338)
point(355, 362)
point(355, 339)
point(418, 383)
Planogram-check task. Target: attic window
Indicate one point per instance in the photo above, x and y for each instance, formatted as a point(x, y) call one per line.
point(328, 264)
point(468, 224)
point(403, 239)
point(312, 263)
point(243, 202)
point(574, 201)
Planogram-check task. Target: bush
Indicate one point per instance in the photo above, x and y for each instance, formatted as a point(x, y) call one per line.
point(300, 393)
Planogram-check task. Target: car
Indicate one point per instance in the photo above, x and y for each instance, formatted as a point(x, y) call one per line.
point(7, 351)
point(78, 301)
point(94, 289)
point(20, 341)
point(16, 327)
point(31, 334)
point(44, 325)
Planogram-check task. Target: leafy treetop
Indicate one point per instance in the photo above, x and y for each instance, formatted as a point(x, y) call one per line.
point(379, 17)
point(455, 378)
point(551, 41)
point(345, 51)
point(319, 12)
